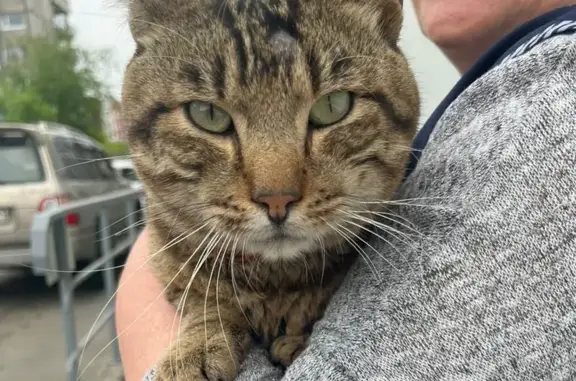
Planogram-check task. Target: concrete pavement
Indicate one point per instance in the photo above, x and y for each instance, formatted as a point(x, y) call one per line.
point(31, 341)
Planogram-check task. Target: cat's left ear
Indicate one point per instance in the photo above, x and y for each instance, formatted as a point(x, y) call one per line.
point(385, 15)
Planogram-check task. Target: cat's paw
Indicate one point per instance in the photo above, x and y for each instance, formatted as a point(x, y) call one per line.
point(285, 349)
point(212, 363)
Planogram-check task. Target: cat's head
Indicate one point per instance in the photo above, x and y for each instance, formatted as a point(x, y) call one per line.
point(273, 121)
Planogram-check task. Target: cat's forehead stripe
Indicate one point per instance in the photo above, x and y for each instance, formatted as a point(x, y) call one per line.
point(278, 20)
point(229, 21)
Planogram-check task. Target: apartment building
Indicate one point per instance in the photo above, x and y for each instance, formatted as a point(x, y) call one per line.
point(20, 18)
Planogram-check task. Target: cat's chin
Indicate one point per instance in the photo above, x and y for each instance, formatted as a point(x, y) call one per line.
point(280, 249)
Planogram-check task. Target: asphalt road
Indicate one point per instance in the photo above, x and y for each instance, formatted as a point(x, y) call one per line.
point(31, 339)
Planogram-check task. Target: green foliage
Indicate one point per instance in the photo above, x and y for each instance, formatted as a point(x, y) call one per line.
point(24, 105)
point(55, 81)
point(116, 148)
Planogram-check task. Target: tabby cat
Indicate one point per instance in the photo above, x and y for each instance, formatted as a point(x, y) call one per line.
point(263, 130)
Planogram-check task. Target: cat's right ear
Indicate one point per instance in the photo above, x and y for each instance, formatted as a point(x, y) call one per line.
point(145, 18)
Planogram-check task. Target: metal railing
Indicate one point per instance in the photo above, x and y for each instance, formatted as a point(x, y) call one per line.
point(53, 258)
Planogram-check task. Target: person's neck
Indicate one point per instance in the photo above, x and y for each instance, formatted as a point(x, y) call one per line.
point(464, 55)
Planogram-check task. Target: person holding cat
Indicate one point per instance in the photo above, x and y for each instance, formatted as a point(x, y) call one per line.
point(483, 287)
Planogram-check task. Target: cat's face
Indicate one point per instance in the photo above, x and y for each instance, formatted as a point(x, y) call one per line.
point(272, 120)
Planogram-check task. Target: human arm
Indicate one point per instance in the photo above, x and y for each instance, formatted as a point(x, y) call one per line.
point(143, 319)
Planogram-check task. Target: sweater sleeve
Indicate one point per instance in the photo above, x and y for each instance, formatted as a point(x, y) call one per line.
point(477, 282)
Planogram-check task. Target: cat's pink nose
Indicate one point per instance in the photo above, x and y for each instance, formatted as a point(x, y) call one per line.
point(278, 203)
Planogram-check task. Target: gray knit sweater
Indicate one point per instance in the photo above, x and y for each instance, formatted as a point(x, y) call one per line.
point(486, 287)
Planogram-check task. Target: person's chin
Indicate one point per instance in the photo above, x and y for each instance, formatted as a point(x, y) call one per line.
point(451, 24)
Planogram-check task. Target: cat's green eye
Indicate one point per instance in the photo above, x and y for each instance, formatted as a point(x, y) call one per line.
point(331, 108)
point(209, 117)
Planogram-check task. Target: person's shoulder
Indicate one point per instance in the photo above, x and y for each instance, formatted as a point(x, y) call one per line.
point(527, 75)
point(546, 55)
point(503, 106)
point(551, 30)
point(511, 73)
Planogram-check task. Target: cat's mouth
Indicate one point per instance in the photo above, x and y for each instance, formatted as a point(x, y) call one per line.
point(276, 235)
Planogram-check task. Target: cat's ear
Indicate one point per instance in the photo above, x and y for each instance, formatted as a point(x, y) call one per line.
point(391, 19)
point(386, 15)
point(145, 17)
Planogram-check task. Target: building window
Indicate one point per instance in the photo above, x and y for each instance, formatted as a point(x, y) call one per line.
point(12, 21)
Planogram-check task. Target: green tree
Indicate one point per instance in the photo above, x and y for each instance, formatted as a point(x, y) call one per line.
point(54, 81)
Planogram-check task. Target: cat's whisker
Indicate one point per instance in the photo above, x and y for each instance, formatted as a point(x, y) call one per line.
point(405, 201)
point(221, 9)
point(233, 278)
point(323, 252)
point(206, 299)
point(390, 217)
point(202, 262)
point(361, 252)
point(242, 256)
point(357, 236)
point(174, 223)
point(389, 230)
point(380, 237)
point(122, 219)
point(184, 296)
point(114, 295)
point(73, 271)
point(306, 271)
point(395, 233)
point(392, 230)
point(174, 242)
point(141, 222)
point(84, 162)
point(138, 223)
point(384, 227)
point(218, 303)
point(405, 204)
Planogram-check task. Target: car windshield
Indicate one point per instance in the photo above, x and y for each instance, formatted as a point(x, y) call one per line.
point(19, 159)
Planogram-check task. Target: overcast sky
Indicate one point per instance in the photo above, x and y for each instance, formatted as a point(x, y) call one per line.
point(101, 24)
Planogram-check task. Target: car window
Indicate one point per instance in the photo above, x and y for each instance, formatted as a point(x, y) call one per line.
point(105, 164)
point(19, 159)
point(129, 174)
point(87, 162)
point(65, 150)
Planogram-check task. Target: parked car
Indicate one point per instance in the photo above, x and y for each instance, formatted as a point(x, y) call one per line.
point(124, 169)
point(41, 166)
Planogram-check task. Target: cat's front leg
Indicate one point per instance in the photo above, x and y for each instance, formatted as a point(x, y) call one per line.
point(210, 350)
point(285, 349)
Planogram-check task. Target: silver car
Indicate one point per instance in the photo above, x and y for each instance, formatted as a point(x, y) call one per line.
point(41, 166)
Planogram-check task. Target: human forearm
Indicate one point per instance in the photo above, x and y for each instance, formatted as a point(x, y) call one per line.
point(143, 317)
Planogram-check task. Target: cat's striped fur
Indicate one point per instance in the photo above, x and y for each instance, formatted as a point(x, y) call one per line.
point(265, 63)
